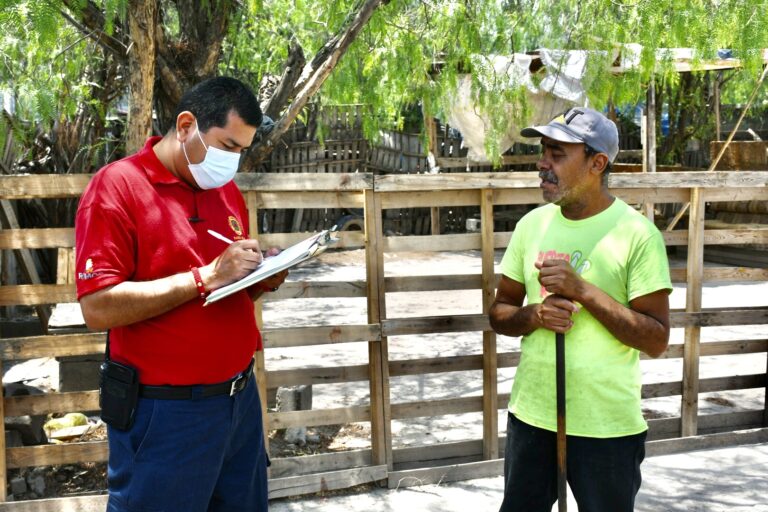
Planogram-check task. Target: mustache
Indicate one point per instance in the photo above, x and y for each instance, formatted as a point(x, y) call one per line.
point(548, 176)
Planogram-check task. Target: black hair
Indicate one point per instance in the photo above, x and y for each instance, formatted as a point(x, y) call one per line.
point(212, 100)
point(590, 151)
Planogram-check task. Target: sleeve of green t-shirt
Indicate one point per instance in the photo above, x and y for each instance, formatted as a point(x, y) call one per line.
point(648, 267)
point(512, 262)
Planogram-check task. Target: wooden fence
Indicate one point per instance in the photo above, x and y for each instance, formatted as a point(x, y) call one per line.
point(385, 460)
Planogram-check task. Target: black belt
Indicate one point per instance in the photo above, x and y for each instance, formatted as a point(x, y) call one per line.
point(230, 387)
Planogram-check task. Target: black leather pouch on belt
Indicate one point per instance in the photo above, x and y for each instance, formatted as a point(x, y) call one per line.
point(118, 394)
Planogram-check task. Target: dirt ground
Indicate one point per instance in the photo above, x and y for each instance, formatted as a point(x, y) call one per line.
point(79, 479)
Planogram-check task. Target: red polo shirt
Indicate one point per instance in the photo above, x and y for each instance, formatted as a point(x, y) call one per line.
point(133, 224)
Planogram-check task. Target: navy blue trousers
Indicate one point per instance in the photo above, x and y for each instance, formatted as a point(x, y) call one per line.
point(603, 474)
point(198, 455)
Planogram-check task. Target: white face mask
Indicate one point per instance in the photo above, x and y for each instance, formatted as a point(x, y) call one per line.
point(217, 168)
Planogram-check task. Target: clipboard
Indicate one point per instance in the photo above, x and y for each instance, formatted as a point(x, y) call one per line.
point(290, 257)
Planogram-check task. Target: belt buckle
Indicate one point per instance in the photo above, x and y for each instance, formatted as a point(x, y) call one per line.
point(236, 385)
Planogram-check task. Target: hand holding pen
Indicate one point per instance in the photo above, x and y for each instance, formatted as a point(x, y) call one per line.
point(271, 283)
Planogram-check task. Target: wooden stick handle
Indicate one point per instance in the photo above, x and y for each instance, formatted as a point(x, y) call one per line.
point(562, 492)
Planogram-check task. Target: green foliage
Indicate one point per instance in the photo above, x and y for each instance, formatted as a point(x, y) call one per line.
point(412, 51)
point(410, 54)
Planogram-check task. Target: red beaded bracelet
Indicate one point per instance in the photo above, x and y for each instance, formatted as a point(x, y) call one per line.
point(199, 282)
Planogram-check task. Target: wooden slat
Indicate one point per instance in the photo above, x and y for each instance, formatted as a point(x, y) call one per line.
point(435, 365)
point(720, 236)
point(732, 383)
point(322, 462)
point(461, 242)
point(300, 182)
point(462, 181)
point(308, 199)
point(717, 348)
point(62, 185)
point(706, 442)
point(437, 407)
point(37, 238)
point(24, 257)
point(325, 375)
point(319, 335)
point(346, 239)
point(338, 416)
point(49, 403)
point(43, 185)
point(659, 389)
point(665, 428)
point(737, 193)
point(96, 503)
point(455, 181)
point(428, 199)
point(434, 283)
point(54, 454)
point(317, 289)
point(710, 385)
point(713, 180)
point(36, 294)
point(434, 324)
point(322, 482)
point(651, 195)
point(428, 454)
point(723, 274)
point(720, 317)
point(31, 347)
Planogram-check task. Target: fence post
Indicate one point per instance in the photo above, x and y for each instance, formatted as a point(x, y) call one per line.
point(691, 349)
point(490, 363)
point(260, 370)
point(378, 351)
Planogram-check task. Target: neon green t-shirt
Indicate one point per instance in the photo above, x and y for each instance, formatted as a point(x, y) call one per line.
point(623, 254)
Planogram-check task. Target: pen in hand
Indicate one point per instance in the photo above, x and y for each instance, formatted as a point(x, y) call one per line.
point(273, 251)
point(220, 236)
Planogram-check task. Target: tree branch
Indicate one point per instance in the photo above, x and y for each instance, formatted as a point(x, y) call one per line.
point(312, 78)
point(91, 23)
point(285, 88)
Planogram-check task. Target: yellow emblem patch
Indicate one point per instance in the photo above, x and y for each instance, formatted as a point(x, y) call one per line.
point(234, 224)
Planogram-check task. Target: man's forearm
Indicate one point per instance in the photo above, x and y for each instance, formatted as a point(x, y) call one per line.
point(133, 301)
point(512, 320)
point(633, 328)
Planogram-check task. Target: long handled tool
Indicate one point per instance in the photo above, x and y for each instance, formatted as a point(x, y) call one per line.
point(562, 493)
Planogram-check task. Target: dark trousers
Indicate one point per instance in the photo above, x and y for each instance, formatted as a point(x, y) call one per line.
point(198, 455)
point(604, 474)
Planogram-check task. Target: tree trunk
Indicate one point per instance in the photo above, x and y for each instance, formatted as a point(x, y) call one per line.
point(311, 79)
point(142, 20)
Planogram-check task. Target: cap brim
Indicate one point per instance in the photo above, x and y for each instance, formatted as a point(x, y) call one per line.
point(550, 131)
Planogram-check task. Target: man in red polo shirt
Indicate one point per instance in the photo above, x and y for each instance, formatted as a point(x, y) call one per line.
point(192, 439)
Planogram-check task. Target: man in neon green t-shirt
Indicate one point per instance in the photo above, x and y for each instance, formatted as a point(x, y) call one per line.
point(591, 266)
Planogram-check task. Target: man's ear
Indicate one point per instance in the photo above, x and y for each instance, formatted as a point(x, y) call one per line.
point(186, 123)
point(599, 163)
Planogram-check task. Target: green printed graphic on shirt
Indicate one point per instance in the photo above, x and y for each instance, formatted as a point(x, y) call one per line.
point(623, 254)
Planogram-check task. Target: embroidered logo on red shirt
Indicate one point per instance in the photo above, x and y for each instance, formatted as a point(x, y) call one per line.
point(235, 225)
point(89, 270)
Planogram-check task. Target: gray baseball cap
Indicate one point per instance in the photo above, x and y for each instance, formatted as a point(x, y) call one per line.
point(581, 124)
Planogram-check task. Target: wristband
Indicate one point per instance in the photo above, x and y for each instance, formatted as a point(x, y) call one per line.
point(198, 282)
